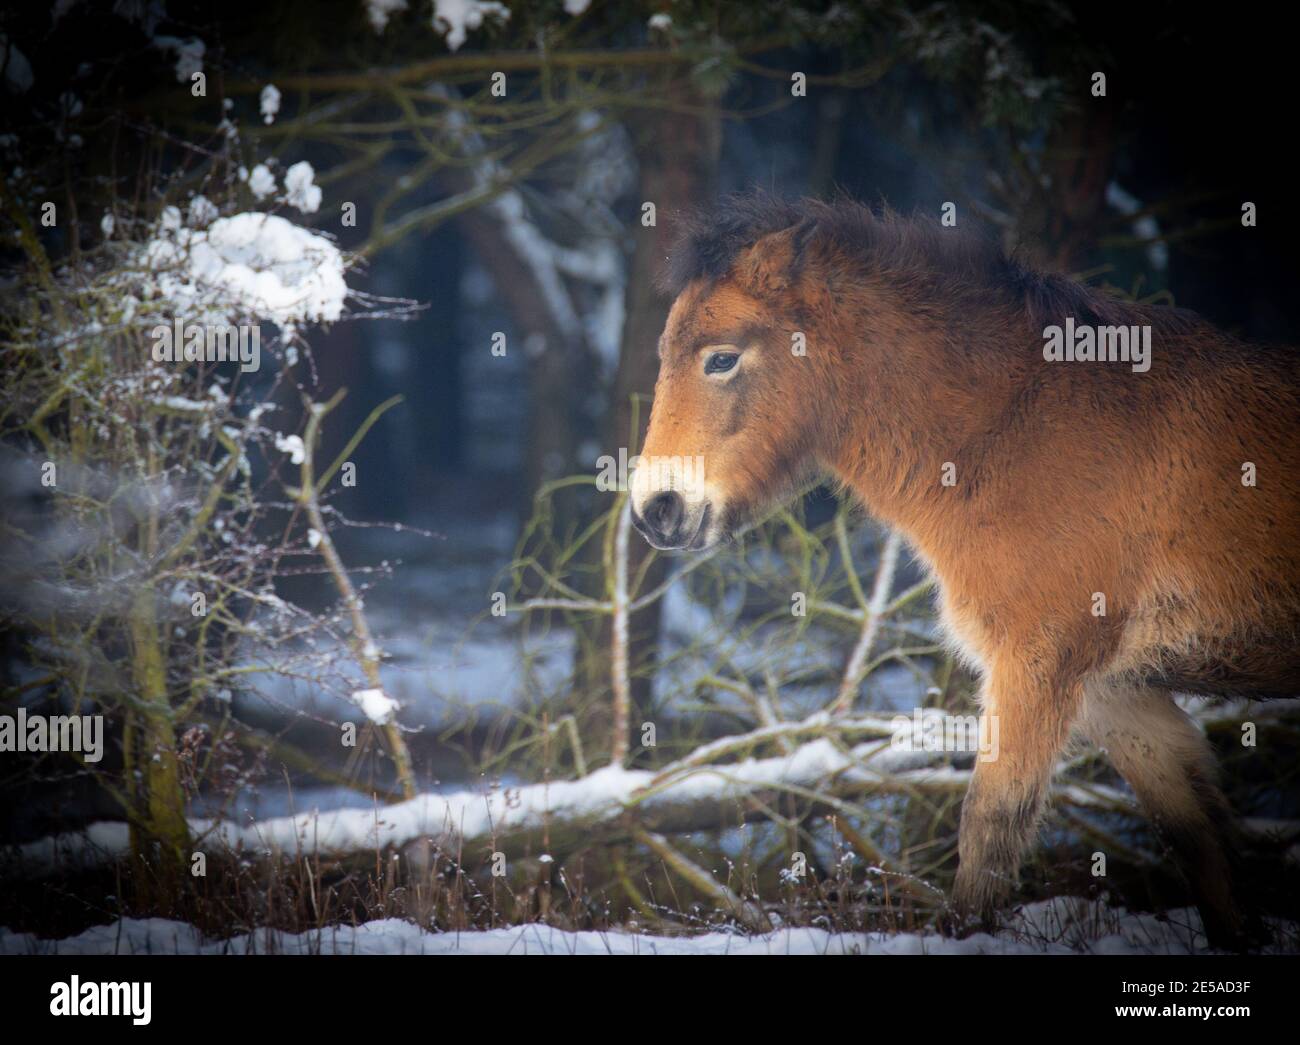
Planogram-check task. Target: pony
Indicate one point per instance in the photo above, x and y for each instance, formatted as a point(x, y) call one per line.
point(1106, 493)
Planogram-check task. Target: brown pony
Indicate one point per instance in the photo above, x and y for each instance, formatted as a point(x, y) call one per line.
point(1104, 529)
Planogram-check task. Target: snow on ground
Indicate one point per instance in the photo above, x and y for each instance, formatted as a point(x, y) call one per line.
point(1059, 926)
point(437, 676)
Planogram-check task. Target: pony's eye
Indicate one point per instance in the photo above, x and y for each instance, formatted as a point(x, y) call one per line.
point(720, 362)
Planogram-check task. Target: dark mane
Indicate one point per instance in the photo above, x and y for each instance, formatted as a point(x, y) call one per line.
point(957, 265)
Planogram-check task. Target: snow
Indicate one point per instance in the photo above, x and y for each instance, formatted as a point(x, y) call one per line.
point(261, 182)
point(340, 830)
point(1059, 926)
point(377, 706)
point(249, 264)
point(269, 103)
point(599, 797)
point(300, 188)
point(442, 678)
point(379, 11)
point(456, 18)
point(291, 445)
point(202, 212)
point(183, 405)
point(189, 55)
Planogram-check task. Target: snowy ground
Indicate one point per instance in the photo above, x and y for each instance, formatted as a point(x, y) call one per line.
point(1060, 926)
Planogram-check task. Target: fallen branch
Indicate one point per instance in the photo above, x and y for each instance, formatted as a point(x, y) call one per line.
point(562, 817)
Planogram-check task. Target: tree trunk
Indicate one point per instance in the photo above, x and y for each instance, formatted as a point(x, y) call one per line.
point(561, 369)
point(677, 156)
point(160, 833)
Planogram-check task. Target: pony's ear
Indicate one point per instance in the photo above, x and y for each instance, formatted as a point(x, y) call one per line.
point(773, 264)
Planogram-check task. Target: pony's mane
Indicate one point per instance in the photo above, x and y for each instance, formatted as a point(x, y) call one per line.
point(958, 265)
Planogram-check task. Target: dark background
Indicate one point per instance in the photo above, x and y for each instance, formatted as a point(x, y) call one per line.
point(1198, 110)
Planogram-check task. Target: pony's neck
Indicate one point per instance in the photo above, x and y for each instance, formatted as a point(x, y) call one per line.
point(928, 394)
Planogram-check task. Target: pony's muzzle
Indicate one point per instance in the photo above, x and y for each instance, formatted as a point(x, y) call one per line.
point(669, 523)
point(660, 520)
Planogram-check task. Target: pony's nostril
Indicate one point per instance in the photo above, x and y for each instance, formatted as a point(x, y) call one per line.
point(664, 513)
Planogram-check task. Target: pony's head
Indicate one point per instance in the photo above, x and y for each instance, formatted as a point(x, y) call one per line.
point(741, 411)
point(818, 337)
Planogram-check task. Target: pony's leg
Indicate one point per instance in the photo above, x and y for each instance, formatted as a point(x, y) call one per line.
point(1005, 798)
point(1172, 770)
